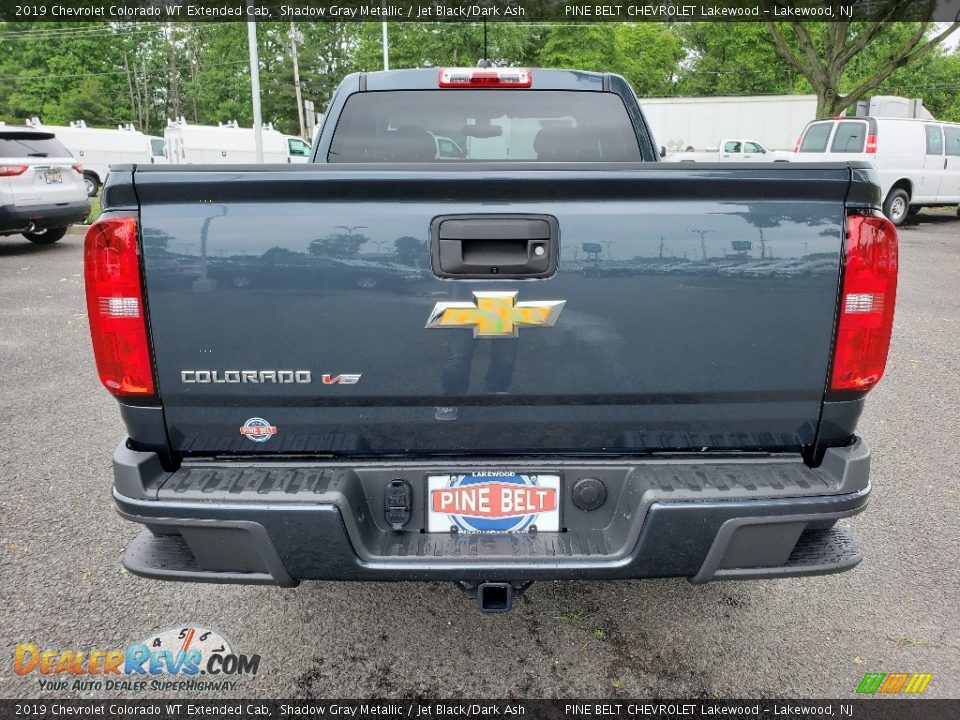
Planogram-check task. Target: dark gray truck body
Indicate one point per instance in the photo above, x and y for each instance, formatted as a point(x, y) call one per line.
point(688, 370)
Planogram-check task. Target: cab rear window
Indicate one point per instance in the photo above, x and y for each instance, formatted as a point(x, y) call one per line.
point(815, 139)
point(14, 145)
point(484, 125)
point(850, 137)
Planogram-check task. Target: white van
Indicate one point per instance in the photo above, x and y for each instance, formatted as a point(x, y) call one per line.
point(99, 148)
point(227, 143)
point(918, 161)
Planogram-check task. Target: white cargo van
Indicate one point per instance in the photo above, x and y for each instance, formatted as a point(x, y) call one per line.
point(918, 161)
point(99, 148)
point(227, 143)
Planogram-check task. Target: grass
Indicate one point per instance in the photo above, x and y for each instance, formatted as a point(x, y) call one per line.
point(573, 617)
point(94, 209)
point(912, 642)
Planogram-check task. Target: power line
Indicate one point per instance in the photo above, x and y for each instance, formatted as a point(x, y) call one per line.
point(71, 33)
point(45, 76)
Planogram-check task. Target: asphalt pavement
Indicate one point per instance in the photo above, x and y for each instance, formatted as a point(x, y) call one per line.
point(62, 586)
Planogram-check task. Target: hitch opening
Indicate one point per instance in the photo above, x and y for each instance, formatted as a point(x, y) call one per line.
point(494, 597)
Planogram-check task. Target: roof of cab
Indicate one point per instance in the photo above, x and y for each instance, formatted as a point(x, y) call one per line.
point(428, 79)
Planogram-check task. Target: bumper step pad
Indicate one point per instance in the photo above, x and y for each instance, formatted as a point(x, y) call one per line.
point(817, 552)
point(167, 557)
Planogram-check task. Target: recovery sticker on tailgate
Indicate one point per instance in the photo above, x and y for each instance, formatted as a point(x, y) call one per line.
point(493, 502)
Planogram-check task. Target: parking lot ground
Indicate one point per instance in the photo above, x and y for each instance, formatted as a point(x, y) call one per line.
point(62, 587)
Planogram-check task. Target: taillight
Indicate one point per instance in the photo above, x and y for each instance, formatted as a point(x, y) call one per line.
point(10, 170)
point(78, 168)
point(115, 307)
point(867, 299)
point(871, 143)
point(796, 146)
point(485, 77)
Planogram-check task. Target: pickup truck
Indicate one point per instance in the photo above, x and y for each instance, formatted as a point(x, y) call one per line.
point(520, 364)
point(732, 150)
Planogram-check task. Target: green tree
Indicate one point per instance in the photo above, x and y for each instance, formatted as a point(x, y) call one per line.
point(646, 54)
point(822, 52)
point(649, 56)
point(445, 44)
point(591, 47)
point(734, 59)
point(63, 71)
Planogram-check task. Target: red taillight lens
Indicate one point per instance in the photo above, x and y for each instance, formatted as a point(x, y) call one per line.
point(115, 307)
point(485, 78)
point(796, 146)
point(871, 143)
point(78, 168)
point(866, 303)
point(10, 170)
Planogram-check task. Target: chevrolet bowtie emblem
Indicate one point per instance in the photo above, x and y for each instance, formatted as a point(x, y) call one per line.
point(495, 314)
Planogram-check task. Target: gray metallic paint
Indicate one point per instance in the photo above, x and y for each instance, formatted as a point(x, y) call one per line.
point(720, 330)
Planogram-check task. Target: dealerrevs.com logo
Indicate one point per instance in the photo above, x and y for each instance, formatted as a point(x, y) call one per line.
point(189, 658)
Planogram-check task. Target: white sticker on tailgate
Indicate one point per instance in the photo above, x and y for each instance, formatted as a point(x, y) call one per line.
point(493, 502)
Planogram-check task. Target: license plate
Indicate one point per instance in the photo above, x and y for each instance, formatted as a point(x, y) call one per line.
point(493, 502)
point(53, 177)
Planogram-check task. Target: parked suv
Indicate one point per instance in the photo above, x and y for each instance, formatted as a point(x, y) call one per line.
point(41, 186)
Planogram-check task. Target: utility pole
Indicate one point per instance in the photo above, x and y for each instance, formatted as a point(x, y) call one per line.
point(255, 89)
point(294, 37)
point(386, 47)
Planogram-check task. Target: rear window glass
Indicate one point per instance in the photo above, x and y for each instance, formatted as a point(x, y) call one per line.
point(484, 125)
point(934, 140)
point(953, 139)
point(815, 139)
point(24, 145)
point(849, 137)
point(158, 147)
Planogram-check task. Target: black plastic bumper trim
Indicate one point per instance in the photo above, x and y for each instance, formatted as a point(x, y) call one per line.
point(17, 219)
point(167, 557)
point(311, 542)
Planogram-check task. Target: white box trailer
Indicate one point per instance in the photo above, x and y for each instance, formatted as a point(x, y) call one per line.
point(158, 150)
point(700, 122)
point(227, 143)
point(99, 148)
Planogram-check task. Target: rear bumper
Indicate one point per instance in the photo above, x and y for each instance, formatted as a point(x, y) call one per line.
point(15, 219)
point(279, 523)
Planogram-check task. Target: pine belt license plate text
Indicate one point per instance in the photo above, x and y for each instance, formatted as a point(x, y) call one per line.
point(53, 177)
point(493, 502)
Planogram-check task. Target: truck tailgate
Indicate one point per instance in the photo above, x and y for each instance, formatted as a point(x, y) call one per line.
point(699, 309)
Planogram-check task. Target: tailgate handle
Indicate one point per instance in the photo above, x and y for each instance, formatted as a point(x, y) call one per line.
point(488, 246)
